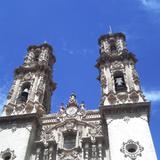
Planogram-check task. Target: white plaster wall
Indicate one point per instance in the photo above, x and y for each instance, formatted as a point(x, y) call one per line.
point(136, 129)
point(17, 140)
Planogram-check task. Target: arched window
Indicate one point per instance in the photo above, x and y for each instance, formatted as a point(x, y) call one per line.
point(36, 58)
point(113, 46)
point(24, 92)
point(119, 81)
point(69, 140)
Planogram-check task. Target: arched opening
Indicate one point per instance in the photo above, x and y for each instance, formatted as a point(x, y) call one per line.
point(24, 92)
point(36, 58)
point(113, 46)
point(119, 81)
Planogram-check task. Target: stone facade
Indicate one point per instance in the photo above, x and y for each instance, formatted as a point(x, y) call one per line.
point(118, 129)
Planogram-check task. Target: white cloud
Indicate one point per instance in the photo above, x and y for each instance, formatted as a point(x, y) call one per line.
point(151, 4)
point(152, 95)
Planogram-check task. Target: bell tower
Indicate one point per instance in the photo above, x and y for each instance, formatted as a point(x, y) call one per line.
point(32, 87)
point(118, 77)
point(123, 105)
point(29, 98)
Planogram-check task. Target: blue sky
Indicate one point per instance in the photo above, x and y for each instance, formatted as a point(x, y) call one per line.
point(72, 27)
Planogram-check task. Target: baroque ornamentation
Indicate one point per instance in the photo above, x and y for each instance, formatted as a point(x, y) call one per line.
point(117, 65)
point(135, 76)
point(126, 119)
point(122, 96)
point(131, 149)
point(95, 131)
point(134, 96)
point(69, 154)
point(7, 154)
point(46, 136)
point(112, 98)
point(103, 79)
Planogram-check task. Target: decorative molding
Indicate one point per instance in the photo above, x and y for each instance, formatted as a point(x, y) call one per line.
point(132, 149)
point(8, 153)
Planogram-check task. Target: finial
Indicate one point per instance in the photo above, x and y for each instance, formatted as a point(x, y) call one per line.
point(45, 42)
point(72, 99)
point(110, 29)
point(82, 105)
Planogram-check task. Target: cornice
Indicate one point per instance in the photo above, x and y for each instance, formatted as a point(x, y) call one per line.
point(143, 107)
point(34, 68)
point(20, 118)
point(111, 58)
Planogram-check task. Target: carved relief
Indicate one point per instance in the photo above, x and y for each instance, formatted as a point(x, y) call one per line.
point(112, 98)
point(134, 96)
point(44, 55)
point(29, 58)
point(120, 45)
point(132, 149)
point(117, 65)
point(7, 154)
point(46, 135)
point(135, 76)
point(105, 47)
point(11, 90)
point(103, 79)
point(95, 131)
point(69, 154)
point(122, 96)
point(126, 119)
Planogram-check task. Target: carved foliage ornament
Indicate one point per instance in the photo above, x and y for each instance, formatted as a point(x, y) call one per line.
point(117, 65)
point(132, 149)
point(47, 135)
point(70, 155)
point(95, 131)
point(7, 154)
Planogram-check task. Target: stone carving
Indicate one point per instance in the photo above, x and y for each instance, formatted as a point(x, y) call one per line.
point(132, 149)
point(95, 131)
point(117, 65)
point(72, 100)
point(14, 127)
point(72, 110)
point(7, 154)
point(122, 96)
point(11, 90)
point(105, 47)
point(126, 119)
point(46, 135)
point(28, 76)
point(134, 96)
point(74, 154)
point(135, 77)
point(9, 109)
point(103, 79)
point(120, 45)
point(112, 98)
point(44, 55)
point(30, 57)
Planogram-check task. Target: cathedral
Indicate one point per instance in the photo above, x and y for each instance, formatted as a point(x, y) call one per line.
point(117, 130)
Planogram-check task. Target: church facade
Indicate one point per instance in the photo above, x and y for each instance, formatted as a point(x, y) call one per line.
point(117, 130)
